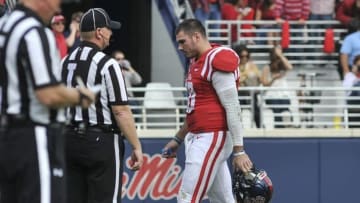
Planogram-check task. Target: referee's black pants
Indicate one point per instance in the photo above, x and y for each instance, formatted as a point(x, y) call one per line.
point(32, 164)
point(94, 166)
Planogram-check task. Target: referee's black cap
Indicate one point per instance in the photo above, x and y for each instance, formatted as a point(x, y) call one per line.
point(97, 18)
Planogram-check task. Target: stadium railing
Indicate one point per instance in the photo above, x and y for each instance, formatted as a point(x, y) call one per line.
point(310, 108)
point(306, 43)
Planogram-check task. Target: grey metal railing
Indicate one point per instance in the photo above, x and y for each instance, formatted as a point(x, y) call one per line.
point(305, 42)
point(310, 107)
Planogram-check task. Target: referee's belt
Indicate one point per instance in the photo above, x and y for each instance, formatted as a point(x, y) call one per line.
point(101, 128)
point(14, 121)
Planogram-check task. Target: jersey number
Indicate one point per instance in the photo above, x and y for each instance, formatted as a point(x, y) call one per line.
point(191, 97)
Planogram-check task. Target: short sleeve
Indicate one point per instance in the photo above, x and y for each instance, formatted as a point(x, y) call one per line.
point(346, 46)
point(226, 60)
point(115, 84)
point(42, 56)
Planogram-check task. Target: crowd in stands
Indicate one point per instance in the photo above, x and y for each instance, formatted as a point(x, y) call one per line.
point(347, 12)
point(273, 74)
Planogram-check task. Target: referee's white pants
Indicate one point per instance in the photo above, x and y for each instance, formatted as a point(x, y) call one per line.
point(206, 171)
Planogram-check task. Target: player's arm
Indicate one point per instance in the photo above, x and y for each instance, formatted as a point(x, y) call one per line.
point(224, 84)
point(223, 80)
point(169, 151)
point(183, 131)
point(225, 87)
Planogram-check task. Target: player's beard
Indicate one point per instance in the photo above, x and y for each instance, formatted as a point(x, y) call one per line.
point(191, 51)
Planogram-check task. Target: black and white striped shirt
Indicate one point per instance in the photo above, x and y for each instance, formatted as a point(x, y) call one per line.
point(29, 60)
point(95, 67)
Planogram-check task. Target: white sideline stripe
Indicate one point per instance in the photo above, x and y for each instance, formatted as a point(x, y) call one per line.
point(44, 165)
point(117, 167)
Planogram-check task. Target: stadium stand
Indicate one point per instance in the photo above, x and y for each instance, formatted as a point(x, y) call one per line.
point(161, 109)
point(260, 51)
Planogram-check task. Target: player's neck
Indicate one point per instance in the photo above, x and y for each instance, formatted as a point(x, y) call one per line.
point(204, 47)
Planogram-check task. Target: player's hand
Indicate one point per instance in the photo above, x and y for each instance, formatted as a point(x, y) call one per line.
point(169, 151)
point(243, 163)
point(136, 160)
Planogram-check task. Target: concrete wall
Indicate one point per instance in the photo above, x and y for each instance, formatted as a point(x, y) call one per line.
point(165, 63)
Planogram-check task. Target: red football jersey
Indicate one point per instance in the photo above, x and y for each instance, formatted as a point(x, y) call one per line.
point(204, 110)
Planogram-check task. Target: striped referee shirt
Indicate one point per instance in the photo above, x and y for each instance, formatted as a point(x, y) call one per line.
point(29, 60)
point(95, 67)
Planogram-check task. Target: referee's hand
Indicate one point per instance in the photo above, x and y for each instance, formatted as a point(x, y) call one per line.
point(86, 97)
point(136, 160)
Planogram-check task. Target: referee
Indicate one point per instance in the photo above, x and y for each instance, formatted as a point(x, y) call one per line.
point(94, 144)
point(32, 101)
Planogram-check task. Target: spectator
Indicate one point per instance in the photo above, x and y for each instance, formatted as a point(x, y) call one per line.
point(246, 13)
point(320, 10)
point(58, 27)
point(229, 12)
point(348, 11)
point(131, 77)
point(274, 75)
point(297, 10)
point(266, 11)
point(73, 34)
point(255, 4)
point(352, 79)
point(250, 76)
point(349, 49)
point(207, 10)
point(293, 10)
point(237, 10)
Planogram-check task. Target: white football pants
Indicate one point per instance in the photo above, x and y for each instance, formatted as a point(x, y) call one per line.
point(206, 171)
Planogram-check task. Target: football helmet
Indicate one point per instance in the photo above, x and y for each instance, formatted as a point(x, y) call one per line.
point(252, 187)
